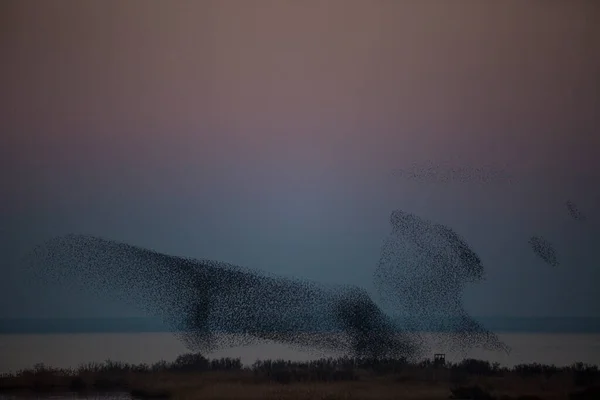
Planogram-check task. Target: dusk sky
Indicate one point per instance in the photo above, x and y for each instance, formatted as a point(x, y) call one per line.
point(265, 133)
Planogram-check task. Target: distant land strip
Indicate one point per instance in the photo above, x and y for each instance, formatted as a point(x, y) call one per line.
point(153, 325)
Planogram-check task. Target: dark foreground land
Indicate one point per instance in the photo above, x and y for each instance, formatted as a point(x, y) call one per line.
point(192, 376)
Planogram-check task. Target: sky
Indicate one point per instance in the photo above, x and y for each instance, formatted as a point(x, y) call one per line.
point(264, 133)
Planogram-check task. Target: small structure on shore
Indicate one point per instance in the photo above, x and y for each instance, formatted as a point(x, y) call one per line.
point(439, 359)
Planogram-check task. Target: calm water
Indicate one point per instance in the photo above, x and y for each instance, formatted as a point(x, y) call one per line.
point(71, 350)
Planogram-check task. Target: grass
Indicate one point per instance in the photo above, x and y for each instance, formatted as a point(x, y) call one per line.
point(192, 376)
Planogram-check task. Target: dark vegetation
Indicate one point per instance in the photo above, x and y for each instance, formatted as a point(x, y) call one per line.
point(194, 376)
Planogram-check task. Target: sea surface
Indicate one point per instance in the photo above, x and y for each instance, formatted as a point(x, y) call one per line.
point(144, 324)
point(65, 350)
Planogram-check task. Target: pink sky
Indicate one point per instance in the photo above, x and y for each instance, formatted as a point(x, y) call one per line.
point(293, 109)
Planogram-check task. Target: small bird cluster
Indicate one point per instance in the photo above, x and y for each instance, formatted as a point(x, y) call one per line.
point(436, 173)
point(544, 249)
point(421, 274)
point(574, 211)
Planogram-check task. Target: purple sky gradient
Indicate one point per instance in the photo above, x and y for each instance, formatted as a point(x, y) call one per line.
point(264, 133)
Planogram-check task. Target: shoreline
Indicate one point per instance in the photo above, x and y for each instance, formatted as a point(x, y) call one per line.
point(193, 376)
point(70, 350)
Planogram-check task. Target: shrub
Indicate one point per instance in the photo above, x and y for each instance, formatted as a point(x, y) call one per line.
point(470, 393)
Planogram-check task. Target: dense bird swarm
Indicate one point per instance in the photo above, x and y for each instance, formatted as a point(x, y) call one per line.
point(212, 305)
point(421, 274)
point(544, 249)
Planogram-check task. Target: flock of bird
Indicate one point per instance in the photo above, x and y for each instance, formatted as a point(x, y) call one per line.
point(436, 173)
point(210, 305)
